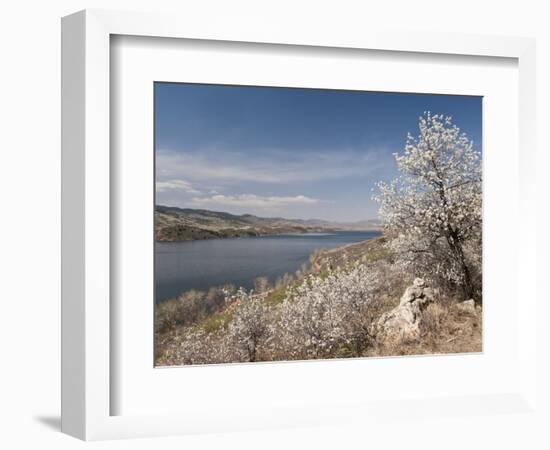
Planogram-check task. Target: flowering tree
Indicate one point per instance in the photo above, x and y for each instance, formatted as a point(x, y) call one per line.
point(249, 328)
point(326, 314)
point(433, 209)
point(196, 346)
point(261, 284)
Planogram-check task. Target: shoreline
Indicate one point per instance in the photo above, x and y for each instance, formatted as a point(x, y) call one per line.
point(260, 235)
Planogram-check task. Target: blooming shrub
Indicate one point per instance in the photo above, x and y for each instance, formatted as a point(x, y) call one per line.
point(328, 316)
point(250, 327)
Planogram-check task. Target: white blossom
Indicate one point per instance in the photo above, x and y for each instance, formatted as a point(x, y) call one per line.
point(325, 315)
point(433, 209)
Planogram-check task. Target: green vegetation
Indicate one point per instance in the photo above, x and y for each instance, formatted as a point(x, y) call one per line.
point(276, 296)
point(180, 232)
point(217, 321)
point(377, 255)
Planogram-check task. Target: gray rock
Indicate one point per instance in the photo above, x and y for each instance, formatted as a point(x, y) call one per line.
point(403, 322)
point(418, 291)
point(468, 305)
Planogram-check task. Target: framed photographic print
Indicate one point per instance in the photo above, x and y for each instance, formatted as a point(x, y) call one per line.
point(269, 246)
point(266, 228)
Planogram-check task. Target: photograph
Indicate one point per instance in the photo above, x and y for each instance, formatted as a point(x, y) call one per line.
point(297, 224)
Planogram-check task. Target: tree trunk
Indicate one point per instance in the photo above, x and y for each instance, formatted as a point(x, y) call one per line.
point(454, 241)
point(252, 351)
point(456, 248)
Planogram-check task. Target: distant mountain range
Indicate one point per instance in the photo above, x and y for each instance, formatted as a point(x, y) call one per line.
point(183, 224)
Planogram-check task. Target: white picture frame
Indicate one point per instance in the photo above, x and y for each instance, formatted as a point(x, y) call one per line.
point(87, 316)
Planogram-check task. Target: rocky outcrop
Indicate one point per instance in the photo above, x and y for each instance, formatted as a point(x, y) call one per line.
point(403, 322)
point(469, 306)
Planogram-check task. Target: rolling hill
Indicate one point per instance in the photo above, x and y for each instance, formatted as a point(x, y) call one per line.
point(183, 224)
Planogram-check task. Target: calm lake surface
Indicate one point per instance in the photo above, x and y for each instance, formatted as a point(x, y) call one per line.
point(180, 266)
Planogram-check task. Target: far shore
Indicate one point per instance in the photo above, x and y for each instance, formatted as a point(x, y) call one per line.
point(173, 224)
point(244, 234)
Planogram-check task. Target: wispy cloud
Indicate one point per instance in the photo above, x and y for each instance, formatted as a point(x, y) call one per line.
point(266, 166)
point(176, 185)
point(252, 201)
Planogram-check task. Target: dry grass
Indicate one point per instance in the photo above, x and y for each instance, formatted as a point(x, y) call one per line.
point(369, 251)
point(445, 328)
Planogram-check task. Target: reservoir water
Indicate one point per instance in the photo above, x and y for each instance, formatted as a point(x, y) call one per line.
point(180, 266)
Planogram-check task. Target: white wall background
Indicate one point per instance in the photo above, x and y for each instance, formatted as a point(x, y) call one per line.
point(30, 196)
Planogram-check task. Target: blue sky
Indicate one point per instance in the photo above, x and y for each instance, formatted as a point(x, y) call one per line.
point(280, 152)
